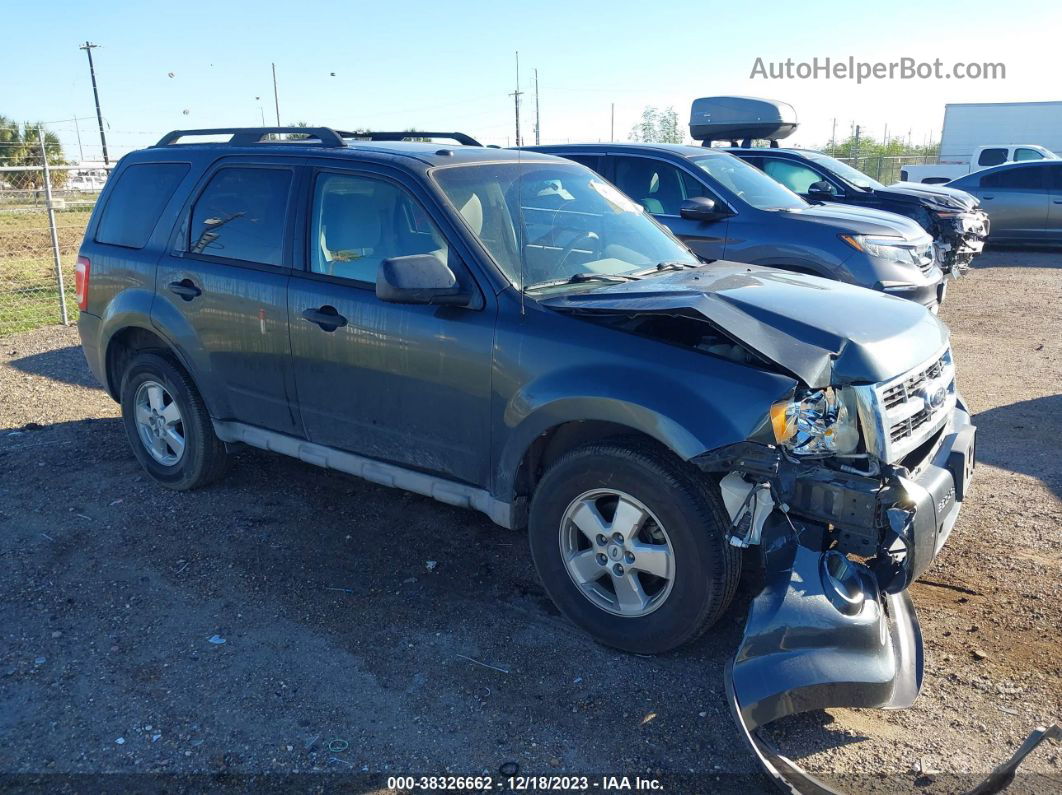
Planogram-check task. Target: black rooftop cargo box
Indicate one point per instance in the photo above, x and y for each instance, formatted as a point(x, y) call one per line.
point(740, 118)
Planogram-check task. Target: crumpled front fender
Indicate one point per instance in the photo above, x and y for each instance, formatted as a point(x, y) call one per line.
point(820, 634)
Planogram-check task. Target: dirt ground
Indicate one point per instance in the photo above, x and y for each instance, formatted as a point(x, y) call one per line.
point(370, 630)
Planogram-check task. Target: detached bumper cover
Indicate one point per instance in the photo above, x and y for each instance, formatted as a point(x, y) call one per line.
point(801, 653)
point(826, 631)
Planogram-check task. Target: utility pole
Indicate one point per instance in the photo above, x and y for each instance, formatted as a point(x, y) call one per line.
point(538, 131)
point(833, 137)
point(516, 99)
point(612, 124)
point(88, 47)
point(855, 148)
point(276, 97)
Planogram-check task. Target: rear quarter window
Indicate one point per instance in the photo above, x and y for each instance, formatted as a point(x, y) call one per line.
point(136, 201)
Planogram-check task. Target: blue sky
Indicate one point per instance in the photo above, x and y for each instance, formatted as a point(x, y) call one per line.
point(451, 65)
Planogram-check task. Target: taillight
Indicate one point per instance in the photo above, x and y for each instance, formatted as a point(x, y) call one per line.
point(81, 280)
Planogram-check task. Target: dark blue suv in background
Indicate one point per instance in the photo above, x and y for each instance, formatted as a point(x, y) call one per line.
point(506, 331)
point(955, 218)
point(722, 208)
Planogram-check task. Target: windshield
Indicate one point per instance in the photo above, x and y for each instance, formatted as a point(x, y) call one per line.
point(844, 171)
point(544, 222)
point(749, 184)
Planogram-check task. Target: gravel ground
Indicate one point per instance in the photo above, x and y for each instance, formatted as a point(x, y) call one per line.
point(415, 639)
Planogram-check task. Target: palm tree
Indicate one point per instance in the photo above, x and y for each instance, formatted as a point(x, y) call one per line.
point(20, 146)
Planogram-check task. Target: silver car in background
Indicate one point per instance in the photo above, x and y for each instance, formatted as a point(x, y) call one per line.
point(1023, 200)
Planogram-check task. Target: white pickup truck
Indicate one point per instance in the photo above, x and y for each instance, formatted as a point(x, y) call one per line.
point(983, 157)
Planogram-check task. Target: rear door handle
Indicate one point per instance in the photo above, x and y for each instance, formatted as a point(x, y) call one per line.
point(986, 198)
point(326, 317)
point(186, 289)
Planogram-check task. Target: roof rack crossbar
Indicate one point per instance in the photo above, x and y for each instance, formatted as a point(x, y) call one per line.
point(244, 136)
point(401, 135)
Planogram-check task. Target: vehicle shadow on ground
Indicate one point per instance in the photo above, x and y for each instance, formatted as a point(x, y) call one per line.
point(1010, 256)
point(1016, 437)
point(66, 365)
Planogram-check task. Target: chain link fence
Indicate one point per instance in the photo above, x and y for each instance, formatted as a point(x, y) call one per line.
point(39, 239)
point(886, 168)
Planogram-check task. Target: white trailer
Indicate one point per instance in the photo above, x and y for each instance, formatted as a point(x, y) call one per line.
point(981, 134)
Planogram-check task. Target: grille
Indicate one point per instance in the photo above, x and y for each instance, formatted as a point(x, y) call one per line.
point(910, 408)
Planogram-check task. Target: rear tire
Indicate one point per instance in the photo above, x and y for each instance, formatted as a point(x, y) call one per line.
point(674, 573)
point(168, 425)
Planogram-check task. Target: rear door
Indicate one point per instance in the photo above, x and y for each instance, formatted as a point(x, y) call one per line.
point(221, 290)
point(1016, 200)
point(661, 186)
point(408, 384)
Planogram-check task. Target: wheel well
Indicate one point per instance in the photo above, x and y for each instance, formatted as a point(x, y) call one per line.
point(559, 439)
point(123, 346)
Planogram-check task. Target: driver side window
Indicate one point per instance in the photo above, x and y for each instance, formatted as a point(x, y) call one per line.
point(658, 186)
point(796, 177)
point(358, 222)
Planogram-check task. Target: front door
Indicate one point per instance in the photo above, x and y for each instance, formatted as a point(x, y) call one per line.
point(408, 384)
point(1016, 200)
point(221, 292)
point(661, 187)
point(1054, 217)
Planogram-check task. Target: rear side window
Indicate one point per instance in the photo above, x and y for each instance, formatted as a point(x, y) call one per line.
point(992, 157)
point(1028, 177)
point(136, 202)
point(242, 214)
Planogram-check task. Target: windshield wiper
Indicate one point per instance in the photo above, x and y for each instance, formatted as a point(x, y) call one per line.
point(579, 278)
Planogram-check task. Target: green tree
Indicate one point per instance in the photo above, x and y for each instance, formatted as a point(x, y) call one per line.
point(657, 126)
point(20, 146)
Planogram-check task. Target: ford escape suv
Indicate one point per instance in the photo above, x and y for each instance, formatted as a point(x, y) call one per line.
point(506, 331)
point(723, 208)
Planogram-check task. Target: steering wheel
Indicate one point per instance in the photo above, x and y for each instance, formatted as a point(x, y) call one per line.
point(586, 237)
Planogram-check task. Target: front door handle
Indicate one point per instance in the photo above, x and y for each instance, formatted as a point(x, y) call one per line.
point(986, 198)
point(186, 289)
point(326, 317)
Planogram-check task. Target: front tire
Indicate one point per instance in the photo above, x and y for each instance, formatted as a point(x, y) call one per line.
point(168, 425)
point(630, 543)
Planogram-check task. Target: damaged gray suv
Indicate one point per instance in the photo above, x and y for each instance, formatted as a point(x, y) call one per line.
point(506, 331)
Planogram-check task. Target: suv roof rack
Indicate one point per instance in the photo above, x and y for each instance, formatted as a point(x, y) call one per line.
point(244, 136)
point(460, 137)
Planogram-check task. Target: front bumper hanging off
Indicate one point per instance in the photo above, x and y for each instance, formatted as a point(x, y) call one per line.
point(827, 631)
point(809, 645)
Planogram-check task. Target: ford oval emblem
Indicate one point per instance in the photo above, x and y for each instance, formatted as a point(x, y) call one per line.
point(936, 397)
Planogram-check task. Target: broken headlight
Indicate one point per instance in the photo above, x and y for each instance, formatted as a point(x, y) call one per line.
point(815, 422)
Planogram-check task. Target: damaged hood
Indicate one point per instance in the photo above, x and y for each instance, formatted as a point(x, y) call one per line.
point(935, 197)
point(824, 332)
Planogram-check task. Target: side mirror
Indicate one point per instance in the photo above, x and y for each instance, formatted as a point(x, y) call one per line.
point(701, 208)
point(419, 279)
point(821, 189)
